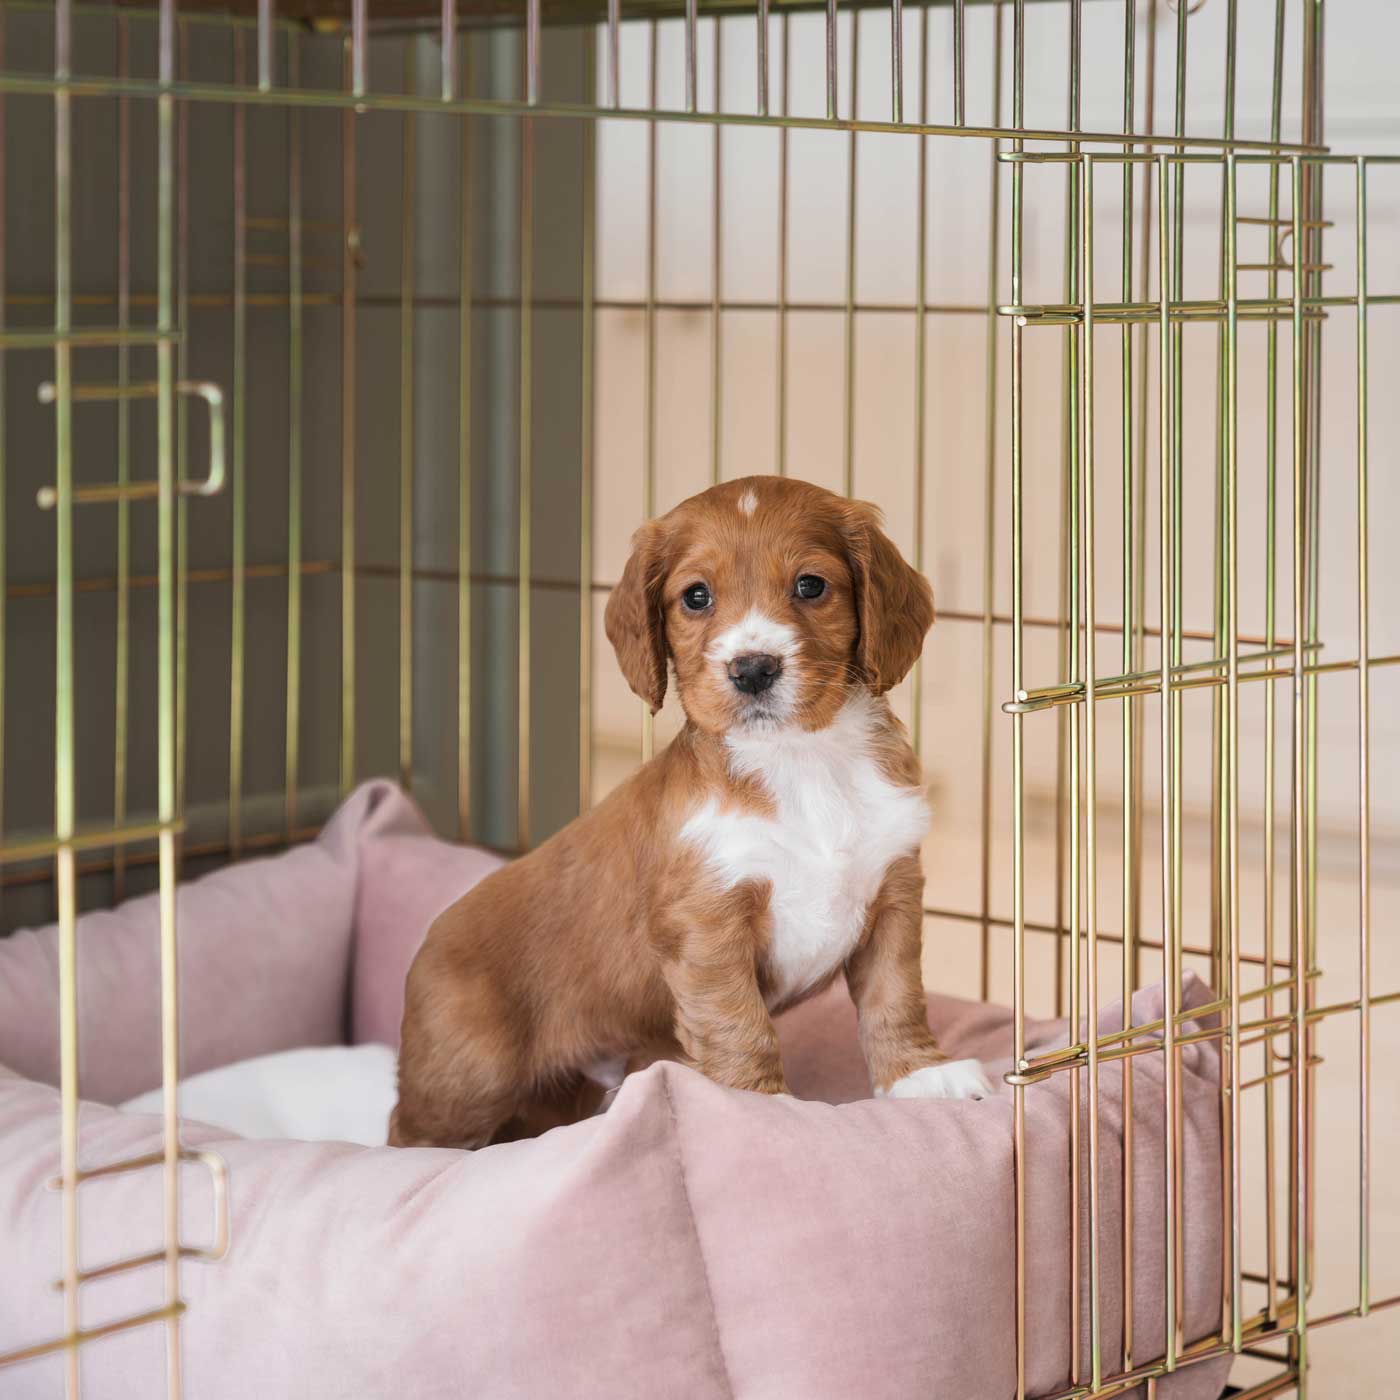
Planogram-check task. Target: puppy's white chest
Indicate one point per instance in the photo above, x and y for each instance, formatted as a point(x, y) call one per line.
point(838, 825)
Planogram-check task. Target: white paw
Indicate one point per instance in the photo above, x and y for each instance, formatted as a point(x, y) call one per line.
point(953, 1079)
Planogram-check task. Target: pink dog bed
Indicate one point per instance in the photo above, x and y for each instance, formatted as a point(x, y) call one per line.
point(691, 1242)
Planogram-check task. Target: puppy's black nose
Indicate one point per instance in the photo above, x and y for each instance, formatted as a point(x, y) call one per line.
point(755, 671)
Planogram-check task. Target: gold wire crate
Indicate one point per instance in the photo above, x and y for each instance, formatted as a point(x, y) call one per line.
point(335, 285)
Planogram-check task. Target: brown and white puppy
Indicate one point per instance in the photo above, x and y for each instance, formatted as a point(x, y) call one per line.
point(774, 843)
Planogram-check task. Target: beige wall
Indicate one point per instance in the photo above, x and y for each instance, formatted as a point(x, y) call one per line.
point(886, 219)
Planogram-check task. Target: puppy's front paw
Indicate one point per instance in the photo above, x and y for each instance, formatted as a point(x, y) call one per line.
point(952, 1079)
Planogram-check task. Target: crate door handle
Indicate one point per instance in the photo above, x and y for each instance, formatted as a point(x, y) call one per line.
point(210, 485)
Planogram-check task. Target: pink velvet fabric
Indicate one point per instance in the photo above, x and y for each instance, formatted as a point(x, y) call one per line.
point(407, 878)
point(306, 948)
point(693, 1241)
point(974, 1162)
point(264, 950)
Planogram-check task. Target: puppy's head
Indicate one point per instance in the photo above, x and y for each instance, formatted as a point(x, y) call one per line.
point(773, 598)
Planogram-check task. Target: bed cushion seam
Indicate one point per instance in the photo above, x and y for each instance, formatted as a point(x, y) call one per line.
point(695, 1232)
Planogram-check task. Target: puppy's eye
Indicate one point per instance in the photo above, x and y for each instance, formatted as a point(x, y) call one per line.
point(810, 586)
point(697, 597)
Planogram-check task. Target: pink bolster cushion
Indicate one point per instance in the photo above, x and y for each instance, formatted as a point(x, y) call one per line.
point(407, 878)
point(268, 956)
point(694, 1241)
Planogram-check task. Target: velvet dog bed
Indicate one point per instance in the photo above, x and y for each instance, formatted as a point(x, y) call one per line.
point(691, 1241)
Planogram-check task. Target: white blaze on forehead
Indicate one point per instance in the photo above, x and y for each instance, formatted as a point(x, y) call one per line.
point(748, 502)
point(755, 632)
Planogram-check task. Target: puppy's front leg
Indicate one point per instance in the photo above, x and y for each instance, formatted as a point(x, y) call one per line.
point(886, 983)
point(722, 1022)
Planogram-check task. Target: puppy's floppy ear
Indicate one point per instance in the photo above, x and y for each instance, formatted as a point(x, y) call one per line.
point(634, 620)
point(894, 602)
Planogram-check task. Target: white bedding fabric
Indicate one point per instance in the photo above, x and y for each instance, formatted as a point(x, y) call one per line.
point(326, 1093)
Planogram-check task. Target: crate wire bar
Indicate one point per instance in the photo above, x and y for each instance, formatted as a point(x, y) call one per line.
point(1267, 998)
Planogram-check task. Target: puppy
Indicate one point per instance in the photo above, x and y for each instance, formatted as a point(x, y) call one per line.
point(774, 843)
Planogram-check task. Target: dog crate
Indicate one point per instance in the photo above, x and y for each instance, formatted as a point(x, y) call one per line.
point(345, 350)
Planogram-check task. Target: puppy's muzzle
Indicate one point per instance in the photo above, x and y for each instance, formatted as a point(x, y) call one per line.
point(754, 672)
